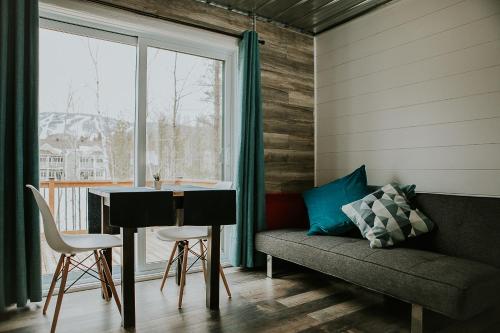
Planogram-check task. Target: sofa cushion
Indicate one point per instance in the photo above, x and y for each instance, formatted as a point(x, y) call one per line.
point(385, 217)
point(458, 288)
point(324, 203)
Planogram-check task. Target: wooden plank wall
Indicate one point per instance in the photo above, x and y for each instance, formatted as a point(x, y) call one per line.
point(412, 90)
point(287, 62)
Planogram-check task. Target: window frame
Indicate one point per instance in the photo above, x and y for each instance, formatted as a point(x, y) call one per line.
point(102, 22)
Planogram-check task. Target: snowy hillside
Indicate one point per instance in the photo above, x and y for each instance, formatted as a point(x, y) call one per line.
point(80, 125)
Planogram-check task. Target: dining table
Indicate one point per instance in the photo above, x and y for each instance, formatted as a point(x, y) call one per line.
point(122, 210)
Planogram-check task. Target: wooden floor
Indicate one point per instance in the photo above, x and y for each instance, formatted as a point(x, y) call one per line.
point(156, 250)
point(299, 301)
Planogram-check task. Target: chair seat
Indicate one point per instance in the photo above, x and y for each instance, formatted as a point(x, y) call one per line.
point(90, 242)
point(182, 233)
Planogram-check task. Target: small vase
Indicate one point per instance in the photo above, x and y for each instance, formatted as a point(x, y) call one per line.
point(157, 184)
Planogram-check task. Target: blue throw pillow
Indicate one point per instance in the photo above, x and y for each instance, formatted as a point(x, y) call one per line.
point(324, 203)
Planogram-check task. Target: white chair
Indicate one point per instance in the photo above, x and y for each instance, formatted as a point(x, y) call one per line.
point(183, 235)
point(68, 246)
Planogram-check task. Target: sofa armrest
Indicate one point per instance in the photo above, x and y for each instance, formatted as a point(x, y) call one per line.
point(286, 210)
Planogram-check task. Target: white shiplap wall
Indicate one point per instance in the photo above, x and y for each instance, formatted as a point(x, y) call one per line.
point(412, 90)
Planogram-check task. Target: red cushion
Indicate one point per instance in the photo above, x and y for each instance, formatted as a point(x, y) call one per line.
point(286, 210)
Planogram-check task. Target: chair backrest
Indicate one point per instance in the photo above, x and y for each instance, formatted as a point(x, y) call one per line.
point(52, 234)
point(141, 209)
point(210, 206)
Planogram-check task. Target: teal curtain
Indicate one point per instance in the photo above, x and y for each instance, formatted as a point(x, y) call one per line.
point(250, 177)
point(20, 274)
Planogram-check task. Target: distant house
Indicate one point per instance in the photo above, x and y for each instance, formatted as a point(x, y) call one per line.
point(86, 163)
point(51, 162)
point(83, 163)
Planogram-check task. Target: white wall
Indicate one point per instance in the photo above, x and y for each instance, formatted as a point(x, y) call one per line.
point(412, 90)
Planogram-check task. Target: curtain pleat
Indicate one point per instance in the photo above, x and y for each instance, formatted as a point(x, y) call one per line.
point(20, 266)
point(250, 177)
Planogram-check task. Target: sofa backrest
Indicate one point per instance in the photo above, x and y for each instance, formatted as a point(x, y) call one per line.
point(285, 210)
point(467, 227)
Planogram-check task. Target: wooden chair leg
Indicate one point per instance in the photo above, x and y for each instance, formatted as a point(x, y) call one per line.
point(223, 276)
point(109, 278)
point(203, 260)
point(183, 274)
point(169, 264)
point(101, 276)
point(62, 286)
point(53, 283)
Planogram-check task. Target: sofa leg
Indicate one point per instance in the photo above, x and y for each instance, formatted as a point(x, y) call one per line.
point(269, 271)
point(417, 314)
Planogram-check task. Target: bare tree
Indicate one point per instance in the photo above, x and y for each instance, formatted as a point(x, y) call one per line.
point(103, 120)
point(169, 135)
point(121, 140)
point(212, 82)
point(68, 140)
point(180, 93)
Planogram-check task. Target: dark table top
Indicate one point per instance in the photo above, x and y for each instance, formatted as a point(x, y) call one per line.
point(178, 190)
point(138, 207)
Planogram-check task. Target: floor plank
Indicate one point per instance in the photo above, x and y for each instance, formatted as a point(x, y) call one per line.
point(305, 297)
point(301, 301)
point(339, 310)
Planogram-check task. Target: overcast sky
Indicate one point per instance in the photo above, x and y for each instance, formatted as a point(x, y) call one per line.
point(66, 69)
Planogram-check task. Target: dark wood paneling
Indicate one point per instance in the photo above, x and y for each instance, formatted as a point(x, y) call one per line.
point(287, 62)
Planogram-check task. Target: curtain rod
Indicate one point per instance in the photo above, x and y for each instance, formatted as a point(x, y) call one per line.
point(156, 16)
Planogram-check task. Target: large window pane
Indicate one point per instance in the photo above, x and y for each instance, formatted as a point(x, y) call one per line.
point(86, 123)
point(87, 107)
point(184, 116)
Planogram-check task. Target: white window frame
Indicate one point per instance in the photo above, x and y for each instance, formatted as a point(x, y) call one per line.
point(99, 21)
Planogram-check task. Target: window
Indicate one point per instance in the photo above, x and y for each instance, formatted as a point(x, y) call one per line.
point(54, 174)
point(122, 98)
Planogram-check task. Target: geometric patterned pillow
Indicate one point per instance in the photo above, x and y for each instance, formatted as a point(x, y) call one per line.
point(385, 217)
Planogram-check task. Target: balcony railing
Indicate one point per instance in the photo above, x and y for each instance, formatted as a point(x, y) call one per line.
point(68, 199)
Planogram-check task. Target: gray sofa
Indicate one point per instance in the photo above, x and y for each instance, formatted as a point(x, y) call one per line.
point(455, 270)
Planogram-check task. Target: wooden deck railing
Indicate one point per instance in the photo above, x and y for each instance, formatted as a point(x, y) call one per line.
point(53, 184)
point(76, 210)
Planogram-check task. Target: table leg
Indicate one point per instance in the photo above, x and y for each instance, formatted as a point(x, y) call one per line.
point(98, 222)
point(178, 271)
point(94, 213)
point(212, 289)
point(108, 253)
point(128, 278)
